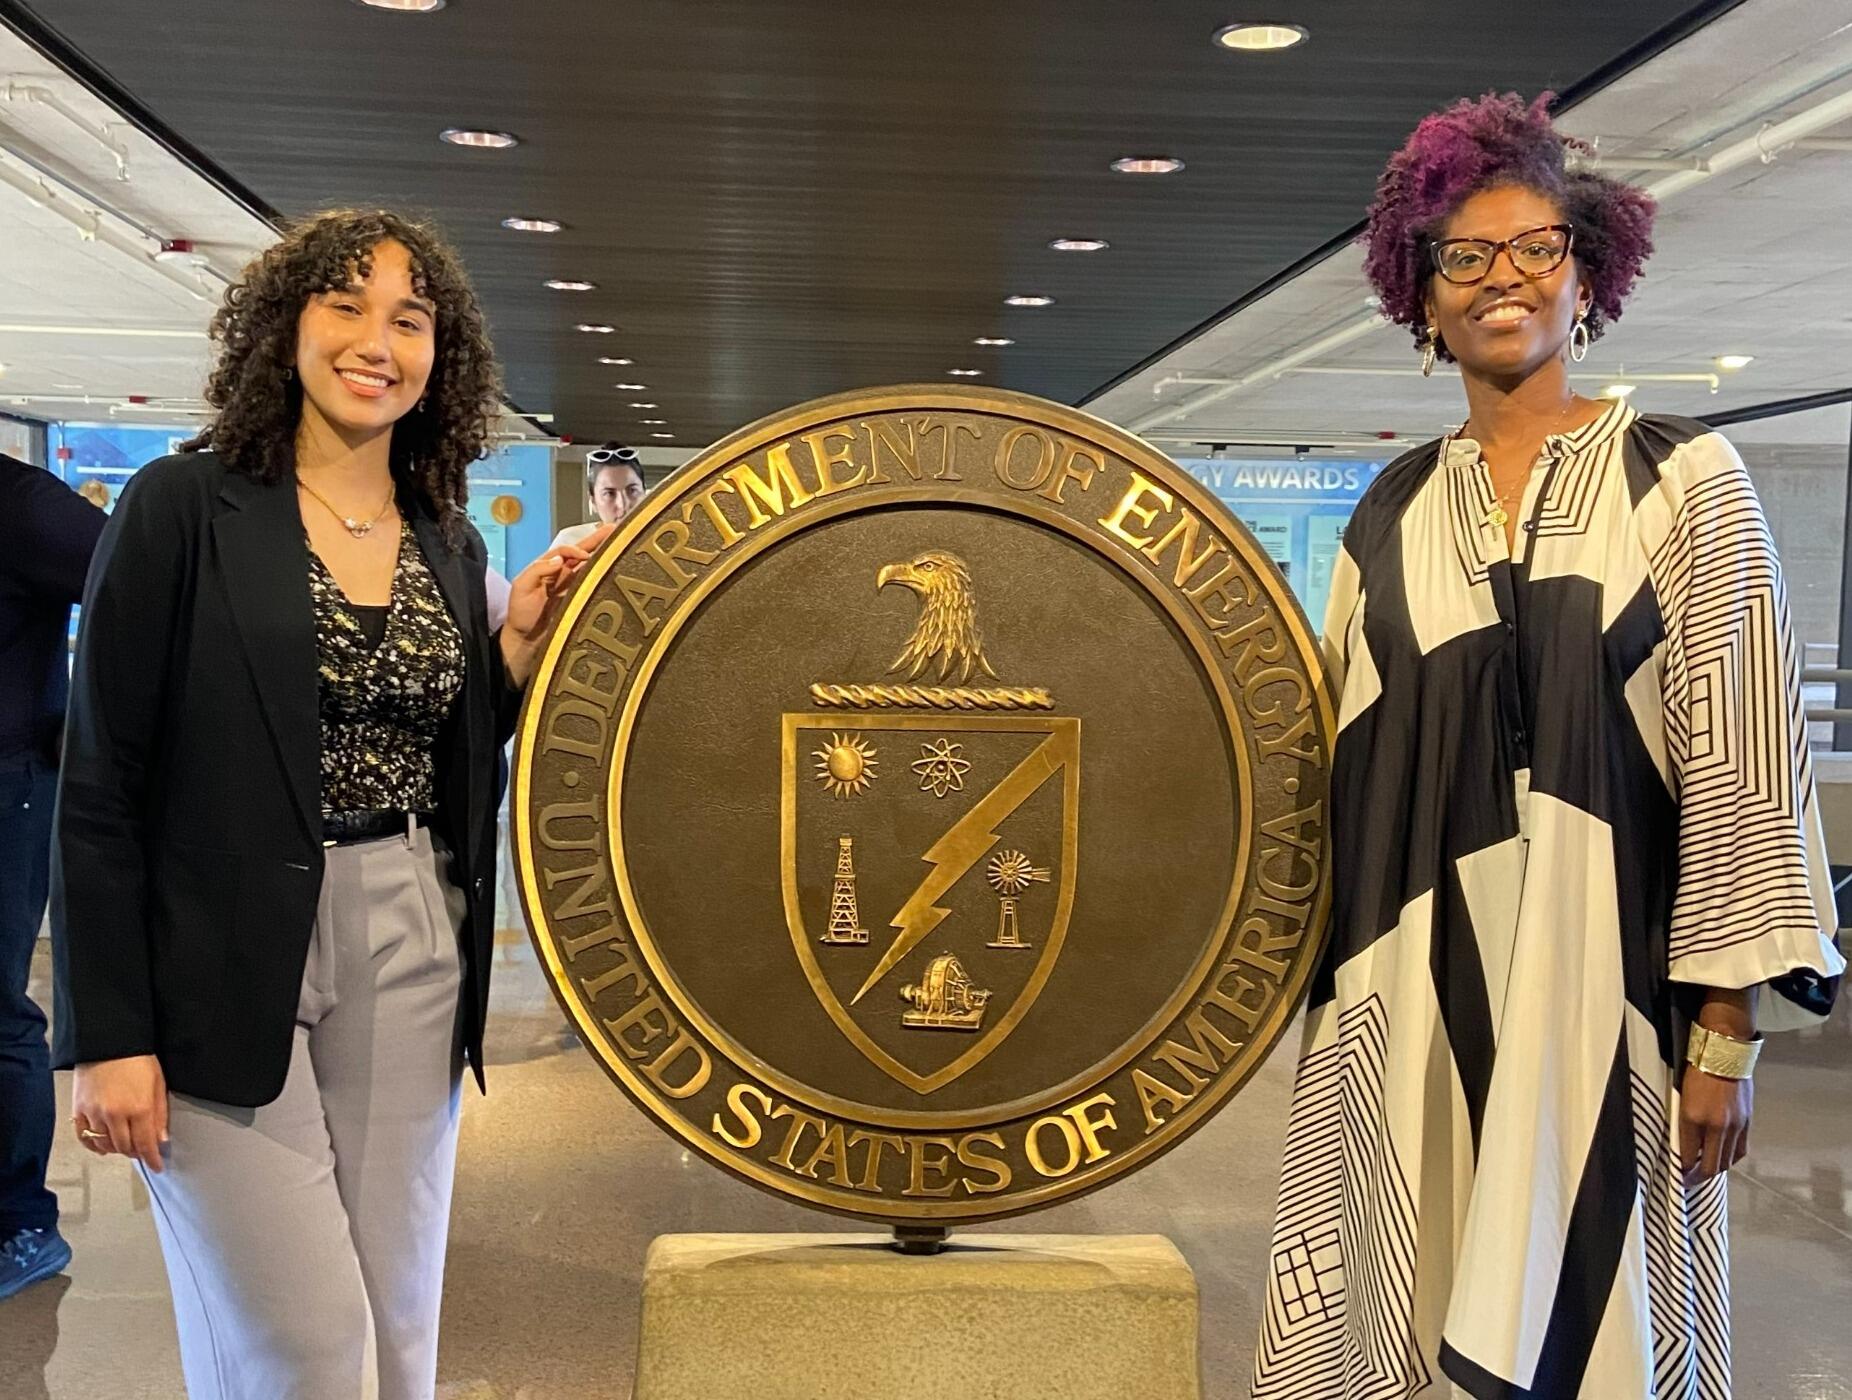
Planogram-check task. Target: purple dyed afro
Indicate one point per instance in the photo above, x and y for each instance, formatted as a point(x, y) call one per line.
point(1499, 141)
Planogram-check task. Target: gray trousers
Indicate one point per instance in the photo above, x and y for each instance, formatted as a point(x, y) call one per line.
point(305, 1239)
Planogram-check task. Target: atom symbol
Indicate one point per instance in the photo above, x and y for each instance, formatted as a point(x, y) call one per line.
point(940, 768)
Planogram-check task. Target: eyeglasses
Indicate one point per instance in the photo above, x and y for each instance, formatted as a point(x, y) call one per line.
point(1534, 252)
point(600, 455)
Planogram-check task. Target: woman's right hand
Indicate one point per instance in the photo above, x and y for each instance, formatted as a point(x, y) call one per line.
point(121, 1106)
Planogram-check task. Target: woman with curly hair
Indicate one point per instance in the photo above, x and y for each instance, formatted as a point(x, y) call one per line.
point(276, 826)
point(1578, 859)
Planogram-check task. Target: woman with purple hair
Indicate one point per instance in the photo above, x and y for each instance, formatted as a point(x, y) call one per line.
point(1579, 860)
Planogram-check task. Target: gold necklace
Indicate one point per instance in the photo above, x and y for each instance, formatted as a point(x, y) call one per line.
point(359, 529)
point(1511, 496)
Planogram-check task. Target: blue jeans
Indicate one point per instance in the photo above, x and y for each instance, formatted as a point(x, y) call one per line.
point(27, 1105)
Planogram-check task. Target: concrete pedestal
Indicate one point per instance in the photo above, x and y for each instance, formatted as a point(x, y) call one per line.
point(846, 1317)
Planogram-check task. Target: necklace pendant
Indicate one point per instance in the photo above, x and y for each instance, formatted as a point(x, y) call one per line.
point(1498, 516)
point(359, 529)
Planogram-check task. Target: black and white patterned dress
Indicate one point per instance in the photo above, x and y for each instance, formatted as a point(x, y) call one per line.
point(384, 696)
point(1569, 788)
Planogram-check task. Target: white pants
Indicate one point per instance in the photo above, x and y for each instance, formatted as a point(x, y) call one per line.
point(305, 1239)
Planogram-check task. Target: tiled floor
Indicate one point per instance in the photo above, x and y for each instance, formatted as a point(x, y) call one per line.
point(562, 1185)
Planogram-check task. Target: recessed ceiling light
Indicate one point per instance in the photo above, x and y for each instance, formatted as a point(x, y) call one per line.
point(568, 284)
point(993, 340)
point(1028, 301)
point(415, 7)
point(1617, 391)
point(632, 387)
point(1079, 245)
point(654, 422)
point(487, 140)
point(595, 328)
point(965, 373)
point(533, 225)
point(1147, 165)
point(644, 405)
point(1734, 361)
point(662, 435)
point(1260, 38)
point(615, 360)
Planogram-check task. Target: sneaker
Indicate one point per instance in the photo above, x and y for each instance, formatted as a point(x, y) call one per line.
point(29, 1256)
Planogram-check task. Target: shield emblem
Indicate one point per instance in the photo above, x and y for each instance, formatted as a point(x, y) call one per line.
point(929, 871)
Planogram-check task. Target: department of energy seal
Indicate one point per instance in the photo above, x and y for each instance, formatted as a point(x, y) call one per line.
point(921, 808)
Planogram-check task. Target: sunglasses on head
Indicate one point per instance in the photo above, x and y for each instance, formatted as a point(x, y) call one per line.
point(600, 455)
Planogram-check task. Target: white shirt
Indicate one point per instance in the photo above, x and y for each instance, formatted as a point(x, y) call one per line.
point(572, 534)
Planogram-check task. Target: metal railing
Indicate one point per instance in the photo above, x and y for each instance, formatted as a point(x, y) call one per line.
point(1827, 675)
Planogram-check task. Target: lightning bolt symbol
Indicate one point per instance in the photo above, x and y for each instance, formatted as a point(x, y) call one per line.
point(966, 843)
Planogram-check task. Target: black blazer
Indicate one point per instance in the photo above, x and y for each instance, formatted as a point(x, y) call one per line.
point(188, 856)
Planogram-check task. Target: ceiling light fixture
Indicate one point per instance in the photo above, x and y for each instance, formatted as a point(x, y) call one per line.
point(1028, 301)
point(662, 435)
point(595, 328)
point(482, 140)
point(645, 405)
point(1147, 165)
point(533, 225)
point(410, 7)
point(965, 373)
point(1617, 390)
point(993, 340)
point(634, 388)
point(568, 284)
point(615, 360)
point(1079, 245)
point(1260, 38)
point(1734, 361)
point(654, 422)
point(27, 328)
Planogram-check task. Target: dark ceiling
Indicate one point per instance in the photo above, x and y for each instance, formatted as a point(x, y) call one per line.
point(784, 198)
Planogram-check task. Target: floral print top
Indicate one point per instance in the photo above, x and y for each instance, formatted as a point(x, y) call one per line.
point(382, 703)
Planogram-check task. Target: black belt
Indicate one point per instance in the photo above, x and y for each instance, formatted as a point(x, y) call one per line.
point(348, 828)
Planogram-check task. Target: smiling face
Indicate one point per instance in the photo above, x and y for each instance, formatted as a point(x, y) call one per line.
point(364, 351)
point(1508, 324)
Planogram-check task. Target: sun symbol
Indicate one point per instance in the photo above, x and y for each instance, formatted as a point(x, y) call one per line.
point(847, 766)
point(940, 767)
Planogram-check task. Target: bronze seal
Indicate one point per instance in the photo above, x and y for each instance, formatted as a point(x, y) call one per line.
point(921, 808)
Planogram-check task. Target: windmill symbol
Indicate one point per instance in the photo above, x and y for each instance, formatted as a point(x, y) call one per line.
point(1010, 873)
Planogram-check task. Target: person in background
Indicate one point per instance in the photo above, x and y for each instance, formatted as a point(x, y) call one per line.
point(496, 589)
point(47, 535)
point(1578, 864)
point(272, 913)
point(614, 481)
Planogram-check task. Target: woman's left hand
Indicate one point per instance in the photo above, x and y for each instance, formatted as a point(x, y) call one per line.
point(1713, 1113)
point(1713, 1124)
point(534, 599)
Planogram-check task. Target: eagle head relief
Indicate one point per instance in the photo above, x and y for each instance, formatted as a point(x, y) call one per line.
point(947, 629)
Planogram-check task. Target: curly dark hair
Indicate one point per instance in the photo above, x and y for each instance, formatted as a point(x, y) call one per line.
point(1494, 142)
point(258, 398)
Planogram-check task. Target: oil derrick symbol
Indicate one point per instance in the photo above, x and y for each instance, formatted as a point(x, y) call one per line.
point(845, 924)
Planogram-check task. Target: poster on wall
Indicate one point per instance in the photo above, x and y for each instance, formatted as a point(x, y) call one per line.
point(1274, 532)
point(1297, 508)
point(1324, 537)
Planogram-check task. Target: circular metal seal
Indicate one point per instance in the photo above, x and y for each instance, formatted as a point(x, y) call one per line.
point(921, 807)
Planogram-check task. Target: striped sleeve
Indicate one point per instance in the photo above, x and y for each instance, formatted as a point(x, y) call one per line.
point(1754, 901)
